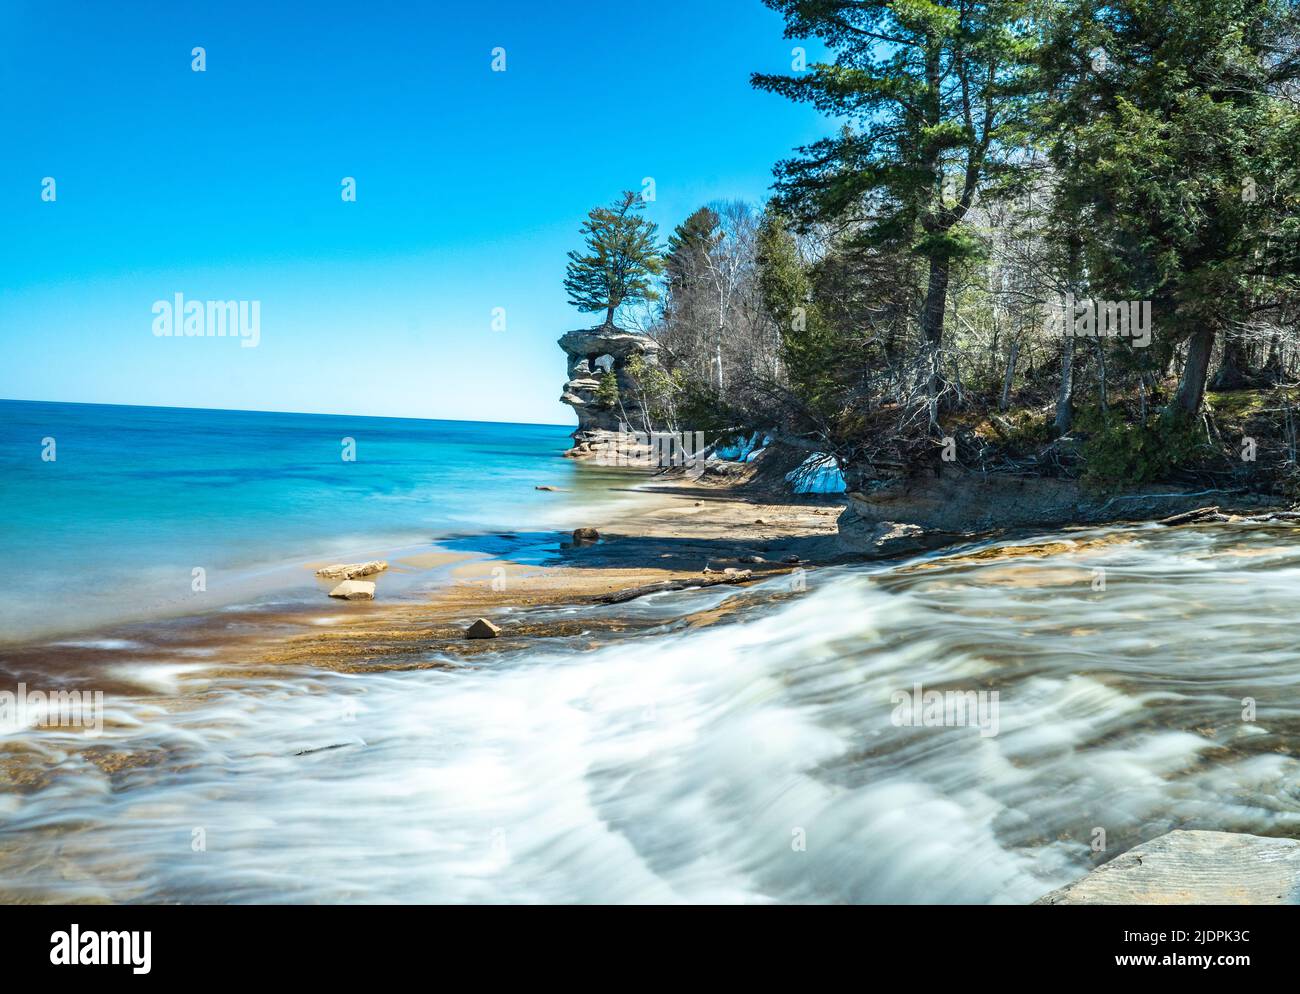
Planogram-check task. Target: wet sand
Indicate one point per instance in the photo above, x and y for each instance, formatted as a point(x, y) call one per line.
point(667, 531)
point(672, 531)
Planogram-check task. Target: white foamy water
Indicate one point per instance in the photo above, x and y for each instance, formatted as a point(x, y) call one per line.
point(750, 761)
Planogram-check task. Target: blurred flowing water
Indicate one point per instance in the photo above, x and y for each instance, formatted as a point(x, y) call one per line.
point(753, 759)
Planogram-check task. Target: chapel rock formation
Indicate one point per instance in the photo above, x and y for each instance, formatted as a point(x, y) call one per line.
point(592, 351)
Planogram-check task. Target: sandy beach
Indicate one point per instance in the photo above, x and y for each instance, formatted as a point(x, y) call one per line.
point(675, 532)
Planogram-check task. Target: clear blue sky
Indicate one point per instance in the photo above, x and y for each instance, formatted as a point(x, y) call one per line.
point(471, 185)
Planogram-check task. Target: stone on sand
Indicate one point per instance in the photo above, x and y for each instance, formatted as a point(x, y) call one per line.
point(354, 590)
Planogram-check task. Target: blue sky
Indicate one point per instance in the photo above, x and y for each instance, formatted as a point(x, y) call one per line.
point(471, 185)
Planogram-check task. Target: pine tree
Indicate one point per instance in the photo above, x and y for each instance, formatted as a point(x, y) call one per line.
point(620, 262)
point(688, 248)
point(935, 92)
point(1168, 125)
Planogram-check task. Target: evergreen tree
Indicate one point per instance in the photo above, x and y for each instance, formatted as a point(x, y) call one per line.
point(933, 90)
point(621, 260)
point(1166, 145)
point(688, 249)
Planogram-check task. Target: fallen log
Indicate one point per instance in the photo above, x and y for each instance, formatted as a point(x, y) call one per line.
point(1187, 517)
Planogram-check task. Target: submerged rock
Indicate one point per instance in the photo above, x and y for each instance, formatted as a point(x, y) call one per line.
point(583, 535)
point(1193, 868)
point(482, 629)
point(350, 571)
point(354, 590)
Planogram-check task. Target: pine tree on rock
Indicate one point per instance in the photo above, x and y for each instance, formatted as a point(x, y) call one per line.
point(620, 262)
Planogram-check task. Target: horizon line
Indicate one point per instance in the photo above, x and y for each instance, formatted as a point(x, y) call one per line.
point(262, 410)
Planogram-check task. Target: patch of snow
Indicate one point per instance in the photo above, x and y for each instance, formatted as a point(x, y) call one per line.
point(818, 474)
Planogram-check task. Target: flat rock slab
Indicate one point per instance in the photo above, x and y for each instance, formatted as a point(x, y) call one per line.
point(354, 590)
point(1193, 868)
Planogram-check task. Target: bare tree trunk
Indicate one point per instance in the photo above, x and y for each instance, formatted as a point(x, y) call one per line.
point(1011, 371)
point(1065, 396)
point(1101, 376)
point(1191, 387)
point(932, 312)
point(1234, 371)
point(936, 300)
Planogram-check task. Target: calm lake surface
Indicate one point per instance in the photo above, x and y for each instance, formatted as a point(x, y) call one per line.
point(136, 498)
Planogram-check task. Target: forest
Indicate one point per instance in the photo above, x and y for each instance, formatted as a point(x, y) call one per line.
point(1053, 238)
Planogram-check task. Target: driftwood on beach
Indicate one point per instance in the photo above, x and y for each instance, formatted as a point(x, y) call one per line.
point(631, 593)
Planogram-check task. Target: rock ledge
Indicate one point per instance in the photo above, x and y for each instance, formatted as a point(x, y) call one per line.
point(1193, 868)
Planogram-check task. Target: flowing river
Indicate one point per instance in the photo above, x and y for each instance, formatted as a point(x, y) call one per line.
point(1146, 679)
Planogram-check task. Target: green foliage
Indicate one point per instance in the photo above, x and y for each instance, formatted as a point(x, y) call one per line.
point(660, 390)
point(689, 246)
point(1119, 453)
point(620, 262)
point(1161, 146)
point(932, 90)
point(607, 397)
point(809, 346)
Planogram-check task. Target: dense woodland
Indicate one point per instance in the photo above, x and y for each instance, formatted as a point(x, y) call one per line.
point(898, 301)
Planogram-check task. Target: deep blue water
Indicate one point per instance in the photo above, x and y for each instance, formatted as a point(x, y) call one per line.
point(137, 497)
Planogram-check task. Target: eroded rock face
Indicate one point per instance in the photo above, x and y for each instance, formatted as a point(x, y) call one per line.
point(962, 502)
point(590, 352)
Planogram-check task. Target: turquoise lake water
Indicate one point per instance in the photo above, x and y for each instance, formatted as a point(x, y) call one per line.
point(136, 498)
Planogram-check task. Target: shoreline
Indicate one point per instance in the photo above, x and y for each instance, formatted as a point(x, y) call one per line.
point(663, 530)
point(658, 531)
point(672, 531)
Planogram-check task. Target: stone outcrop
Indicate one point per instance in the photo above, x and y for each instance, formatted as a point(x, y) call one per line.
point(590, 352)
point(482, 629)
point(350, 571)
point(1193, 868)
point(907, 514)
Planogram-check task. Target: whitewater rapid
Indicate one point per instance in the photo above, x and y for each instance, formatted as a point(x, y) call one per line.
point(758, 759)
